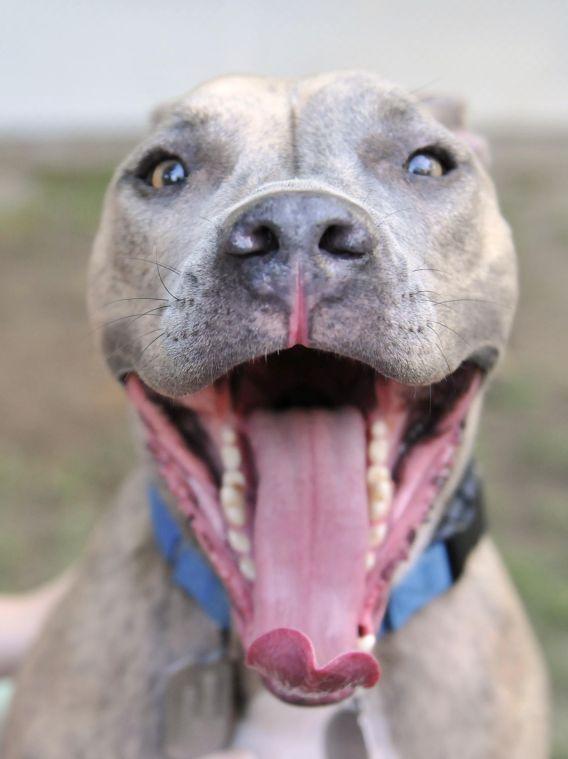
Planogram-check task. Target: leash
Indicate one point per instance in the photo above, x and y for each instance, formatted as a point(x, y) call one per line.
point(435, 571)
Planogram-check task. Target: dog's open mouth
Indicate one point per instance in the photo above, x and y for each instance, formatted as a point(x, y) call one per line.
point(306, 477)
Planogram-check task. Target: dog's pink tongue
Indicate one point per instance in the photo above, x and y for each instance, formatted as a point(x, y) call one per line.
point(310, 542)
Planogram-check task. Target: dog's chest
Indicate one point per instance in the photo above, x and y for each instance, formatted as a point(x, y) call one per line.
point(272, 728)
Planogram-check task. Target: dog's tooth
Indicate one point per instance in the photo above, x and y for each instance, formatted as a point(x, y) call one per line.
point(228, 435)
point(378, 509)
point(379, 430)
point(370, 560)
point(231, 496)
point(246, 565)
point(377, 533)
point(236, 515)
point(381, 491)
point(378, 451)
point(233, 503)
point(366, 643)
point(234, 479)
point(378, 473)
point(231, 457)
point(238, 541)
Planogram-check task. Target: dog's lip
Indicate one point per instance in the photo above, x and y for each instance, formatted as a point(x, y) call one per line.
point(484, 358)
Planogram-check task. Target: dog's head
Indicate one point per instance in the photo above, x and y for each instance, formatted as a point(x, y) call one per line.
point(304, 286)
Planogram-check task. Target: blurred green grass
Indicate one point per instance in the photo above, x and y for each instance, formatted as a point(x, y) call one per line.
point(65, 446)
point(65, 443)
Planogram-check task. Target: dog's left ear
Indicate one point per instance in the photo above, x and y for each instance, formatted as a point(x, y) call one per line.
point(452, 113)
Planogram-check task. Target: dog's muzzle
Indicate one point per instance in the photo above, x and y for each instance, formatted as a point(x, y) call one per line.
point(298, 248)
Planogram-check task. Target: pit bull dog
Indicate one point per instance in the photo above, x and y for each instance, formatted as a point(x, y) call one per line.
point(304, 287)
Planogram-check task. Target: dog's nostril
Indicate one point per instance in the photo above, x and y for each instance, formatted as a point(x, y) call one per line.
point(353, 240)
point(247, 240)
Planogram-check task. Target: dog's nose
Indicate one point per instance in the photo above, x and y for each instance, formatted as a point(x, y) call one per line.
point(300, 222)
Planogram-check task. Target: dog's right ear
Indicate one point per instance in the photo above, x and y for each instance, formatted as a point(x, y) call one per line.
point(452, 113)
point(159, 113)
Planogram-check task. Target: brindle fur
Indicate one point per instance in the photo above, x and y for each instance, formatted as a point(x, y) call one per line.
point(464, 677)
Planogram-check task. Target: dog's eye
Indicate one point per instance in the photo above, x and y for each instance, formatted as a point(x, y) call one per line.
point(425, 165)
point(168, 172)
point(430, 163)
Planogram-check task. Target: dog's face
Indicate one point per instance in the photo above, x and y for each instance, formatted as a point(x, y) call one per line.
point(304, 285)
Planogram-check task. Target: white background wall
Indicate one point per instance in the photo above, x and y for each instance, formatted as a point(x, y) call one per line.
point(101, 64)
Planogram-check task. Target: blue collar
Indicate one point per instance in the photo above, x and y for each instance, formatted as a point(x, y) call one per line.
point(434, 572)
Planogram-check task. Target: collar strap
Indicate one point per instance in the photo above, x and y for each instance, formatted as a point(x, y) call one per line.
point(190, 570)
point(464, 521)
point(434, 572)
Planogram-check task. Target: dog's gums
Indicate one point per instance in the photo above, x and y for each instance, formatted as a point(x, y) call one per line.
point(306, 477)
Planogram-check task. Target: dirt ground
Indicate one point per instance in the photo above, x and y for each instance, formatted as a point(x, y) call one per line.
point(64, 442)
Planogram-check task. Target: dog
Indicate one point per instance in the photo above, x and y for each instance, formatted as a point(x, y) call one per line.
point(304, 287)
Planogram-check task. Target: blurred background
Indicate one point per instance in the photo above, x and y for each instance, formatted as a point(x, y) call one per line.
point(76, 82)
